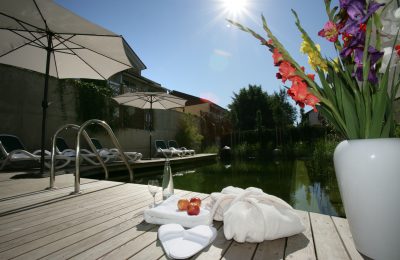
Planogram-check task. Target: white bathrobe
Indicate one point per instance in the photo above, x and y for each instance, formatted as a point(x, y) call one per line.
point(251, 215)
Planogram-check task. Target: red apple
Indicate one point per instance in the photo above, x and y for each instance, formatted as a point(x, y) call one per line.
point(196, 200)
point(183, 204)
point(193, 209)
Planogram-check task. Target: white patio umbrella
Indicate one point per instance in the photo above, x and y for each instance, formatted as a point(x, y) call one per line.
point(42, 36)
point(150, 100)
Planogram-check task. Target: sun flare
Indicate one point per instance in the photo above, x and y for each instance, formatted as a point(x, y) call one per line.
point(234, 7)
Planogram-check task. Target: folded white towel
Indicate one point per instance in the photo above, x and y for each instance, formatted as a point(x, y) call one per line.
point(253, 216)
point(179, 243)
point(167, 212)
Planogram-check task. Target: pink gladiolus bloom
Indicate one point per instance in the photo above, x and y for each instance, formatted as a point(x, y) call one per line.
point(286, 71)
point(330, 31)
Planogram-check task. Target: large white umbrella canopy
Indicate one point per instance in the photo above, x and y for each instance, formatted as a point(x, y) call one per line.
point(150, 100)
point(79, 48)
point(42, 36)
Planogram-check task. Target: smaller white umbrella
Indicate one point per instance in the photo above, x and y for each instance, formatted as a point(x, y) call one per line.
point(150, 100)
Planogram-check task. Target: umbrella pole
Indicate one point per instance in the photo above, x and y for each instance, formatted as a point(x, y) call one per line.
point(150, 145)
point(151, 122)
point(45, 103)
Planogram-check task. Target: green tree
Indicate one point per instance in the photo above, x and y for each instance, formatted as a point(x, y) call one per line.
point(259, 121)
point(303, 117)
point(188, 133)
point(283, 113)
point(245, 105)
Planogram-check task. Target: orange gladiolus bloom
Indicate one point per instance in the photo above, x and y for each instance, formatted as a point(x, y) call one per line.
point(286, 71)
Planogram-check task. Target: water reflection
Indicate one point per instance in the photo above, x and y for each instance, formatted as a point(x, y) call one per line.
point(307, 195)
point(290, 180)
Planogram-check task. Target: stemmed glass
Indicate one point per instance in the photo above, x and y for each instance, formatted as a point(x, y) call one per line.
point(153, 187)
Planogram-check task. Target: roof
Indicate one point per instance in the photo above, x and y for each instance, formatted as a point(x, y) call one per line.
point(133, 57)
point(193, 100)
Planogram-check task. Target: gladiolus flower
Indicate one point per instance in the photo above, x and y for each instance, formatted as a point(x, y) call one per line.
point(346, 37)
point(314, 56)
point(330, 32)
point(286, 71)
point(363, 27)
point(298, 91)
point(277, 56)
point(311, 101)
point(397, 48)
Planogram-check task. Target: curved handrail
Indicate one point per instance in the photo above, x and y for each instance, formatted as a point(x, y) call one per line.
point(53, 151)
point(114, 140)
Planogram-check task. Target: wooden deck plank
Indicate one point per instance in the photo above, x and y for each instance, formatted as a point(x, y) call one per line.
point(301, 246)
point(129, 229)
point(92, 249)
point(56, 241)
point(218, 248)
point(152, 252)
point(132, 247)
point(327, 241)
point(42, 196)
point(342, 225)
point(24, 192)
point(21, 187)
point(80, 207)
point(240, 251)
point(73, 202)
point(272, 249)
point(61, 224)
point(9, 207)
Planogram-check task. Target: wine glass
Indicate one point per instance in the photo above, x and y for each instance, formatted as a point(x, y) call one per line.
point(153, 187)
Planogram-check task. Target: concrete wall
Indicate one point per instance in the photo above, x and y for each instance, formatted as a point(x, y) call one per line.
point(21, 94)
point(165, 124)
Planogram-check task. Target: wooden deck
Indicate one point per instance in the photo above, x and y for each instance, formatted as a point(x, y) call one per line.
point(106, 222)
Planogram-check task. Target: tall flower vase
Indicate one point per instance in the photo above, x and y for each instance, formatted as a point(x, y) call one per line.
point(368, 174)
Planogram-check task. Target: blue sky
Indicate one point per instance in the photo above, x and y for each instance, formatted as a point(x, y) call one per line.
point(188, 46)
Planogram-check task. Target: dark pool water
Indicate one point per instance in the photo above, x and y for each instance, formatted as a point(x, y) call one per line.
point(293, 181)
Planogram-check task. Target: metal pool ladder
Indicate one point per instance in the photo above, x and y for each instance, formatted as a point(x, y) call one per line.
point(81, 131)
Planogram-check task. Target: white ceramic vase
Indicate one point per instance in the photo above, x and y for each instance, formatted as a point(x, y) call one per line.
point(368, 174)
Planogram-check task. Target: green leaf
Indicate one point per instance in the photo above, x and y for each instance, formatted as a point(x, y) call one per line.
point(331, 119)
point(332, 13)
point(350, 113)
